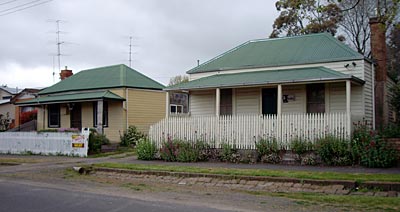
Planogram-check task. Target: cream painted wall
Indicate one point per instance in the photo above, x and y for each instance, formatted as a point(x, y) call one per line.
point(202, 103)
point(337, 66)
point(145, 108)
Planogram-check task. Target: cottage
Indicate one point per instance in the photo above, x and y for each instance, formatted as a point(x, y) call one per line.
point(302, 86)
point(108, 98)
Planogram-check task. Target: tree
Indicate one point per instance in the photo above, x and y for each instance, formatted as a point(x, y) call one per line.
point(299, 17)
point(178, 79)
point(395, 99)
point(394, 53)
point(355, 24)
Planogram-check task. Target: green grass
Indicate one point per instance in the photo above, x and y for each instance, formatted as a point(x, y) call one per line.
point(119, 152)
point(19, 160)
point(361, 203)
point(360, 177)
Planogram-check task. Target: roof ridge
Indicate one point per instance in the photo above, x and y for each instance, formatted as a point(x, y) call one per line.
point(219, 56)
point(291, 37)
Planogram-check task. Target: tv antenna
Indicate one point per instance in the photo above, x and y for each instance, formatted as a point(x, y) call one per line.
point(130, 51)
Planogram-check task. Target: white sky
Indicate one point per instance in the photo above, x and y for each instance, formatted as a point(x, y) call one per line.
point(169, 36)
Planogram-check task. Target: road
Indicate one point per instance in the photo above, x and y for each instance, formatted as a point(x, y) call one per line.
point(15, 197)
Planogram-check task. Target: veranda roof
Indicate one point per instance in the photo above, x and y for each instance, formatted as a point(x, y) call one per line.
point(76, 97)
point(310, 74)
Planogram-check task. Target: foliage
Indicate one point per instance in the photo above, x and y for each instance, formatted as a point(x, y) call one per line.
point(184, 151)
point(28, 116)
point(395, 100)
point(145, 149)
point(304, 17)
point(178, 79)
point(267, 146)
point(370, 150)
point(393, 52)
point(96, 140)
point(334, 151)
point(391, 131)
point(229, 153)
point(378, 153)
point(131, 136)
point(309, 159)
point(273, 158)
point(300, 146)
point(4, 122)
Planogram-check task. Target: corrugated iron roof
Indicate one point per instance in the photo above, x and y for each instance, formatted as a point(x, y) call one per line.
point(256, 78)
point(305, 49)
point(76, 97)
point(104, 78)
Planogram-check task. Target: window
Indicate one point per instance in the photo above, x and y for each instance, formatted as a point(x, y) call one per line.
point(316, 98)
point(176, 108)
point(225, 105)
point(7, 97)
point(105, 114)
point(54, 116)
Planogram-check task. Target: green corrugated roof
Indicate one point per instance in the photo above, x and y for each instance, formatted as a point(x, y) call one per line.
point(306, 49)
point(311, 74)
point(87, 96)
point(104, 77)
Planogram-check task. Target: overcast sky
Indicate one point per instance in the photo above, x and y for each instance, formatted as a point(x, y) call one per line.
point(169, 36)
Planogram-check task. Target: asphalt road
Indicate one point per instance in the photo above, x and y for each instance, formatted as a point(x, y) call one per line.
point(15, 197)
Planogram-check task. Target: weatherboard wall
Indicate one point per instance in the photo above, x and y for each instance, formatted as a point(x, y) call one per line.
point(145, 107)
point(249, 100)
point(356, 71)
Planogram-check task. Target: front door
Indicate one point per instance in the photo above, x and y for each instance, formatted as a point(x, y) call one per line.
point(76, 115)
point(269, 101)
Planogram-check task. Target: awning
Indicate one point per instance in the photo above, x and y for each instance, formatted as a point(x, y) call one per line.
point(76, 97)
point(255, 78)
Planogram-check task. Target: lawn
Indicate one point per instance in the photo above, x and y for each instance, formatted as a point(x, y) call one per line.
point(314, 175)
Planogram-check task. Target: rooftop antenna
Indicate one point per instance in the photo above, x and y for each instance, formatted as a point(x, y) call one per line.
point(58, 44)
point(130, 51)
point(54, 73)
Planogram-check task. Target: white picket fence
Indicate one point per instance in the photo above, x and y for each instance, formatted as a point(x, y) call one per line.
point(45, 143)
point(245, 130)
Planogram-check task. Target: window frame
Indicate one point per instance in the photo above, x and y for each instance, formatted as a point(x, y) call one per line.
point(53, 110)
point(317, 100)
point(105, 114)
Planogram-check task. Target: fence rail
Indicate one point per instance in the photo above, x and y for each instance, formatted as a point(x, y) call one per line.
point(245, 130)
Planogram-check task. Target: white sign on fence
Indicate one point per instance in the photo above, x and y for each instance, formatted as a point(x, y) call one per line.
point(45, 143)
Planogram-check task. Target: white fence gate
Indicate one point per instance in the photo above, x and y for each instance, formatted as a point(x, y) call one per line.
point(46, 143)
point(245, 130)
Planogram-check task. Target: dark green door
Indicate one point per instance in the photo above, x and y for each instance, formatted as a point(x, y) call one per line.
point(269, 98)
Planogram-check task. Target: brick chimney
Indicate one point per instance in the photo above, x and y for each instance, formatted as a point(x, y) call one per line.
point(64, 74)
point(378, 50)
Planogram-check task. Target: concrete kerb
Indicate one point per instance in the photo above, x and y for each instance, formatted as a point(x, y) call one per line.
point(347, 184)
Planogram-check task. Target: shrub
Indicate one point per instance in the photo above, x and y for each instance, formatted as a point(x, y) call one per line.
point(334, 151)
point(378, 154)
point(184, 151)
point(169, 150)
point(300, 147)
point(131, 136)
point(370, 149)
point(267, 147)
point(229, 153)
point(309, 159)
point(96, 140)
point(391, 131)
point(145, 149)
point(271, 158)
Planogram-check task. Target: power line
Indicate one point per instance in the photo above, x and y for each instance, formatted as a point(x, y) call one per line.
point(7, 2)
point(24, 8)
